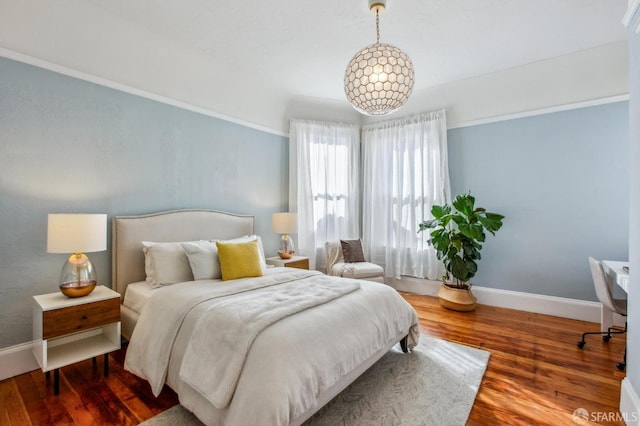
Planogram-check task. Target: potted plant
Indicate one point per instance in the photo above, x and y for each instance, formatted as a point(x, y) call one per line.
point(457, 233)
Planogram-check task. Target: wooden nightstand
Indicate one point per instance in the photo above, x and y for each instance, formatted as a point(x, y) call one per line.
point(300, 262)
point(68, 330)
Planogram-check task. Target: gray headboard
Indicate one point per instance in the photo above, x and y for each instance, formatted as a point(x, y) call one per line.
point(128, 232)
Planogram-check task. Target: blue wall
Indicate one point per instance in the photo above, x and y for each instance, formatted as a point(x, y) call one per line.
point(67, 145)
point(562, 181)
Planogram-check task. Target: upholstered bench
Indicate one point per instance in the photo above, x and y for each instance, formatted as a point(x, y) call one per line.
point(359, 270)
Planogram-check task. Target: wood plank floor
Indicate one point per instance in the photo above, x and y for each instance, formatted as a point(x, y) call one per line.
point(536, 375)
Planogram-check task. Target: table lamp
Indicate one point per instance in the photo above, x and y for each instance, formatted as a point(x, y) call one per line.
point(77, 234)
point(285, 224)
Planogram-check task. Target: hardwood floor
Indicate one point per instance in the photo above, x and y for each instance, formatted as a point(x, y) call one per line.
point(536, 375)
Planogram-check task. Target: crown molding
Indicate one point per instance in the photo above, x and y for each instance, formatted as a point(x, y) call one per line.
point(80, 75)
point(541, 111)
point(631, 11)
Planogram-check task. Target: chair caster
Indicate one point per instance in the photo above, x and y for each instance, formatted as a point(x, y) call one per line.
point(621, 366)
point(581, 344)
point(606, 338)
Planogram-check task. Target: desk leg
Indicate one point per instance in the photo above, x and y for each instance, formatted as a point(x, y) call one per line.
point(606, 319)
point(106, 365)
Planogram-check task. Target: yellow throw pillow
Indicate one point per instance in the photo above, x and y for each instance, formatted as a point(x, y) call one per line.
point(239, 260)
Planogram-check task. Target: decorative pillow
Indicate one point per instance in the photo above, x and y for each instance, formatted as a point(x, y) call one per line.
point(165, 263)
point(352, 251)
point(203, 259)
point(239, 260)
point(248, 238)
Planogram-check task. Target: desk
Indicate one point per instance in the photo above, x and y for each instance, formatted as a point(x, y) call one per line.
point(615, 270)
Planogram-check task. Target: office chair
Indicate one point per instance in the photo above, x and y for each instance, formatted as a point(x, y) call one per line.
point(603, 284)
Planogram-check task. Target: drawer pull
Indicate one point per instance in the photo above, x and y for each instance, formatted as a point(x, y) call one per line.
point(84, 317)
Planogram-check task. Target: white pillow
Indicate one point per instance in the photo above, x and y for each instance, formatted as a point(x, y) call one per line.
point(165, 263)
point(203, 259)
point(247, 238)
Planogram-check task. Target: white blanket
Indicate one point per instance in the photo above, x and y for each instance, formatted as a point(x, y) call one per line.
point(152, 339)
point(237, 322)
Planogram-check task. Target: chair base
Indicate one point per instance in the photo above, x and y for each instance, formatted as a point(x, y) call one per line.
point(623, 365)
point(606, 336)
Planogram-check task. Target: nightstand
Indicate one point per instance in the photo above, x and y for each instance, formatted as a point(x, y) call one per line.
point(68, 330)
point(300, 262)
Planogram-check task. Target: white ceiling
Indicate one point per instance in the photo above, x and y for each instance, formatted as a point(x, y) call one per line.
point(303, 47)
point(247, 59)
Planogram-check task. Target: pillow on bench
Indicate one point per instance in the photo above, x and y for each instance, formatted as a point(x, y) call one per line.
point(352, 251)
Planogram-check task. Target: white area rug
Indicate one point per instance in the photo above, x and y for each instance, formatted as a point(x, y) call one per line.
point(436, 384)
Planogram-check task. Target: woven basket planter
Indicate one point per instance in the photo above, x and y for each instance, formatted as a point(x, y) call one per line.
point(456, 299)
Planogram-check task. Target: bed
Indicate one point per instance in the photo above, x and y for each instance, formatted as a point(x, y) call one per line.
point(280, 372)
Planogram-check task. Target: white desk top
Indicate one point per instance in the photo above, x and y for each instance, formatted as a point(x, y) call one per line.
point(615, 268)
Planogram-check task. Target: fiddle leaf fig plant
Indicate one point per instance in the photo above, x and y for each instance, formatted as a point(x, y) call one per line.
point(457, 233)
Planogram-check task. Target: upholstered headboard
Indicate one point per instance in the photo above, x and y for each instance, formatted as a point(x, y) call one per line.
point(128, 232)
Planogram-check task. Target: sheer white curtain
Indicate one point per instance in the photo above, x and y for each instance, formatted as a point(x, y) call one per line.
point(324, 163)
point(405, 172)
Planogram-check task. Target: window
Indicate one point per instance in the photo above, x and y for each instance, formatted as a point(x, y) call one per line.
point(324, 182)
point(405, 174)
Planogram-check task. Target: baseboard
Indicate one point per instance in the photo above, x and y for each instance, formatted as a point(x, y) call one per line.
point(536, 303)
point(629, 403)
point(16, 360)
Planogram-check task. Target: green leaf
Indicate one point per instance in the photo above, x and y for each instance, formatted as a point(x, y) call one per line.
point(458, 268)
point(473, 231)
point(440, 240)
point(464, 204)
point(458, 219)
point(450, 252)
point(491, 221)
point(455, 240)
point(472, 267)
point(428, 224)
point(439, 211)
point(470, 251)
point(437, 233)
point(444, 220)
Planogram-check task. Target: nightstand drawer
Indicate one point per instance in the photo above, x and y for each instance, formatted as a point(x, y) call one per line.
point(300, 264)
point(71, 319)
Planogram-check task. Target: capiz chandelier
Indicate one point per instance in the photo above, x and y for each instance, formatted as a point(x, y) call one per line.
point(379, 78)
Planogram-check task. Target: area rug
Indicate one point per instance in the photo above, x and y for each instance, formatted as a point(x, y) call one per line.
point(436, 384)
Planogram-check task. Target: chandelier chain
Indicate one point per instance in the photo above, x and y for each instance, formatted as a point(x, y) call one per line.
point(377, 26)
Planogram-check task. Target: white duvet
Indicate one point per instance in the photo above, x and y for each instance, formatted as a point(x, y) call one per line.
point(292, 356)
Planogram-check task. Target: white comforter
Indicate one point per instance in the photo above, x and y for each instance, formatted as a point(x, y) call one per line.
point(289, 364)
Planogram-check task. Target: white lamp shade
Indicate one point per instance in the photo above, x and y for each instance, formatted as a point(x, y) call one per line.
point(284, 223)
point(76, 233)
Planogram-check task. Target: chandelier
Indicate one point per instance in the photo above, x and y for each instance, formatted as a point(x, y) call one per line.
point(379, 78)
